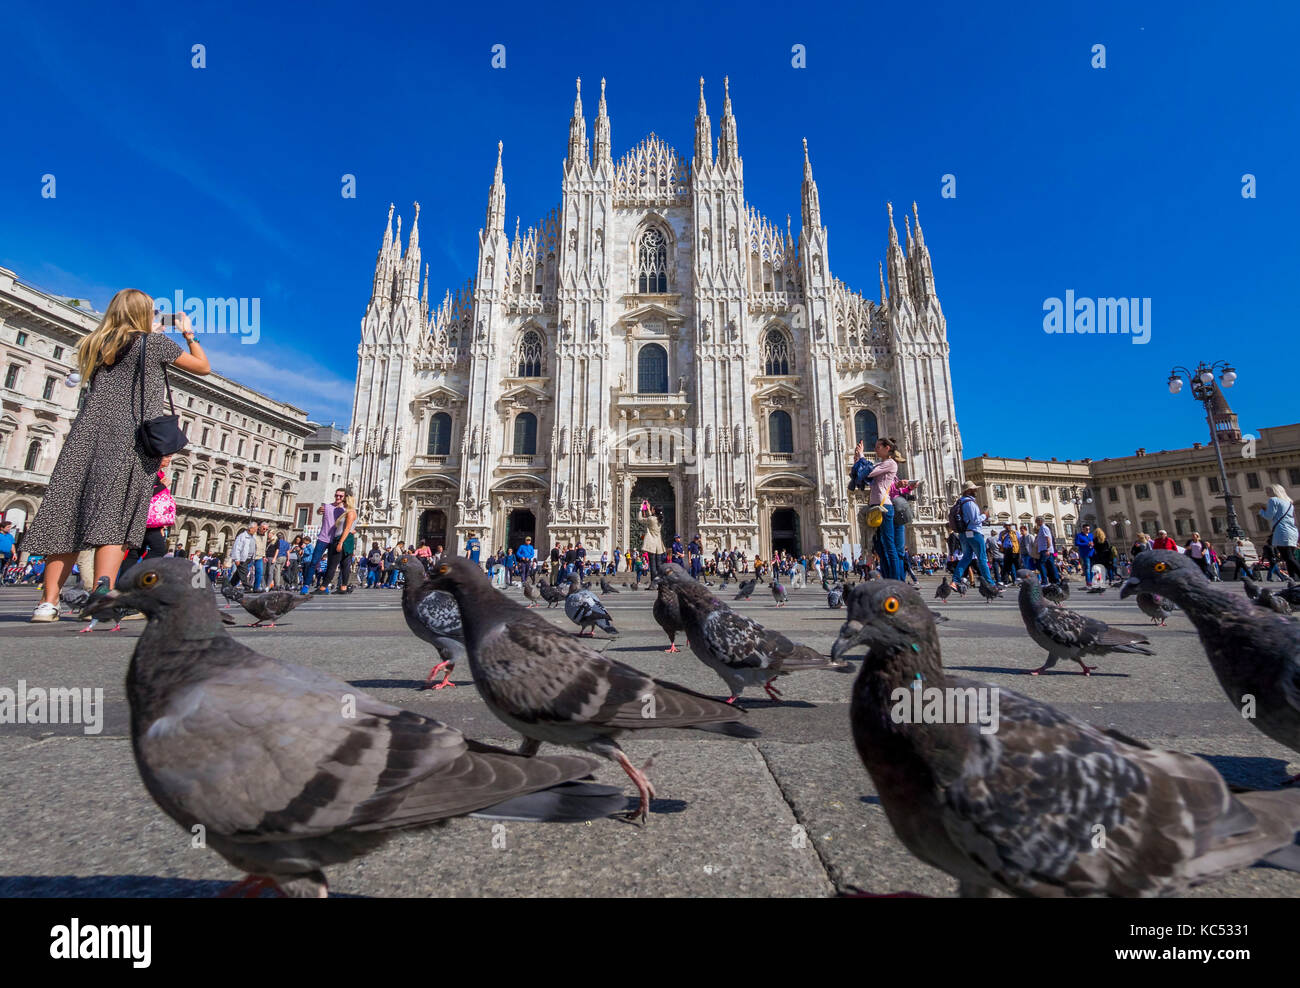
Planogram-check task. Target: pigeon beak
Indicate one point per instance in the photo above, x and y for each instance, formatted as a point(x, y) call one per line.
point(103, 603)
point(1131, 586)
point(850, 635)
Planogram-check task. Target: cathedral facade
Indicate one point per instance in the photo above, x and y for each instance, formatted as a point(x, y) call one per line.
point(655, 336)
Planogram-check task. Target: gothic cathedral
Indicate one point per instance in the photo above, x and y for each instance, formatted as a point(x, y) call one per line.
point(654, 337)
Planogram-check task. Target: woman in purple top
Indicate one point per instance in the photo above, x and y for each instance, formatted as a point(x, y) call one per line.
point(329, 515)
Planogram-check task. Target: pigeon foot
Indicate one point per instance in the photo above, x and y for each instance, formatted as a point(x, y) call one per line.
point(250, 888)
point(772, 691)
point(448, 666)
point(643, 786)
point(672, 647)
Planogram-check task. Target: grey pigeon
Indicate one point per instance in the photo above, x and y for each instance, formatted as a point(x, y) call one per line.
point(550, 687)
point(433, 617)
point(1290, 593)
point(74, 598)
point(550, 594)
point(530, 591)
point(668, 614)
point(738, 649)
point(1254, 653)
point(1017, 808)
point(961, 587)
point(1057, 593)
point(232, 594)
point(778, 591)
point(1155, 607)
point(94, 606)
point(943, 591)
point(270, 605)
point(586, 611)
point(606, 587)
point(835, 598)
point(989, 593)
point(289, 771)
point(1265, 598)
point(1067, 634)
point(746, 588)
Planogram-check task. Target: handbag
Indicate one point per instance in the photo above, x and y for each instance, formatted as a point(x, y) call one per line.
point(160, 436)
point(876, 513)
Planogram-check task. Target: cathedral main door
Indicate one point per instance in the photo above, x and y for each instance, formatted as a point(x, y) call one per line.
point(520, 524)
point(659, 492)
point(433, 529)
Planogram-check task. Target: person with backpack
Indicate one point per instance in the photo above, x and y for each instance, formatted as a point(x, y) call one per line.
point(375, 563)
point(965, 519)
point(1009, 543)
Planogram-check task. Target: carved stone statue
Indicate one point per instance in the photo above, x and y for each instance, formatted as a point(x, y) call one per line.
point(706, 328)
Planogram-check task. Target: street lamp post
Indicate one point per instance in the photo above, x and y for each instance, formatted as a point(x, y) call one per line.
point(1079, 500)
point(1203, 390)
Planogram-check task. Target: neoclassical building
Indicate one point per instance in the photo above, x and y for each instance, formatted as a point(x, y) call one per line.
point(654, 336)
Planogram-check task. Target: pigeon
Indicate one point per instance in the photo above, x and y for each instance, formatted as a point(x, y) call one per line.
point(1067, 634)
point(1255, 654)
point(1013, 802)
point(1057, 593)
point(288, 770)
point(1265, 598)
point(668, 614)
point(270, 605)
point(961, 587)
point(606, 587)
point(433, 617)
point(778, 591)
point(75, 598)
point(548, 686)
point(586, 611)
point(550, 594)
point(939, 618)
point(1155, 607)
point(943, 591)
point(91, 607)
point(530, 591)
point(1290, 593)
point(232, 594)
point(989, 593)
point(746, 588)
point(738, 649)
point(835, 598)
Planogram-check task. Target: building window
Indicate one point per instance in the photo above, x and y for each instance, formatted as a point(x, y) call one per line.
point(1252, 481)
point(1045, 493)
point(234, 493)
point(225, 440)
point(1020, 492)
point(239, 450)
point(262, 503)
point(780, 432)
point(303, 475)
point(1177, 487)
point(1293, 476)
point(194, 487)
point(315, 475)
point(216, 491)
point(652, 263)
point(1000, 491)
point(303, 515)
point(1142, 492)
point(439, 435)
point(33, 455)
point(1112, 494)
point(526, 434)
point(257, 454)
point(22, 338)
point(652, 370)
point(1213, 483)
point(775, 353)
point(48, 392)
point(11, 377)
point(315, 457)
point(1179, 525)
point(1064, 492)
point(1216, 525)
point(206, 434)
point(530, 355)
point(866, 430)
point(1069, 529)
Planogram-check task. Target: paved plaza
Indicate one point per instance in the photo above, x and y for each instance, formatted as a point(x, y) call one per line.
point(790, 814)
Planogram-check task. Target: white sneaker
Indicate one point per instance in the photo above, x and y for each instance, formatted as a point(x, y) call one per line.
point(45, 612)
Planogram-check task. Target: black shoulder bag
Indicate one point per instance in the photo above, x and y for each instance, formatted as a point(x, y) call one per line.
point(161, 436)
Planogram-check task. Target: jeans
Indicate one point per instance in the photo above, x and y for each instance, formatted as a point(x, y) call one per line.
point(257, 573)
point(900, 549)
point(1008, 566)
point(309, 567)
point(1085, 562)
point(973, 549)
point(1047, 568)
point(372, 577)
point(889, 561)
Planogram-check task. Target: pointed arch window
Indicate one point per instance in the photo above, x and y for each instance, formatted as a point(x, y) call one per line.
point(866, 430)
point(776, 354)
point(531, 363)
point(526, 434)
point(652, 370)
point(439, 435)
point(652, 262)
point(33, 455)
point(780, 432)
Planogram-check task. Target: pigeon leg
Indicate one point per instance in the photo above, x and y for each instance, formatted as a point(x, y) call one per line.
point(643, 787)
point(1087, 669)
point(672, 646)
point(255, 624)
point(88, 628)
point(1051, 661)
point(772, 691)
point(116, 627)
point(250, 888)
point(446, 677)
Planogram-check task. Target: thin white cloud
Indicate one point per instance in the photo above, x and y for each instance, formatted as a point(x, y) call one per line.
point(287, 377)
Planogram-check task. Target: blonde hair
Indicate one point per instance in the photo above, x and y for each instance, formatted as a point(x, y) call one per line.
point(1098, 535)
point(130, 312)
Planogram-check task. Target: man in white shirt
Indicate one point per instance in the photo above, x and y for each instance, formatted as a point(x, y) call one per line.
point(241, 554)
point(1047, 552)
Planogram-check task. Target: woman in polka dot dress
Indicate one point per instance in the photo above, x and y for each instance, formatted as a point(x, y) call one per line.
point(99, 492)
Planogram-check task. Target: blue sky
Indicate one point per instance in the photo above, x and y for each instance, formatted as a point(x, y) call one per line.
point(1124, 181)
